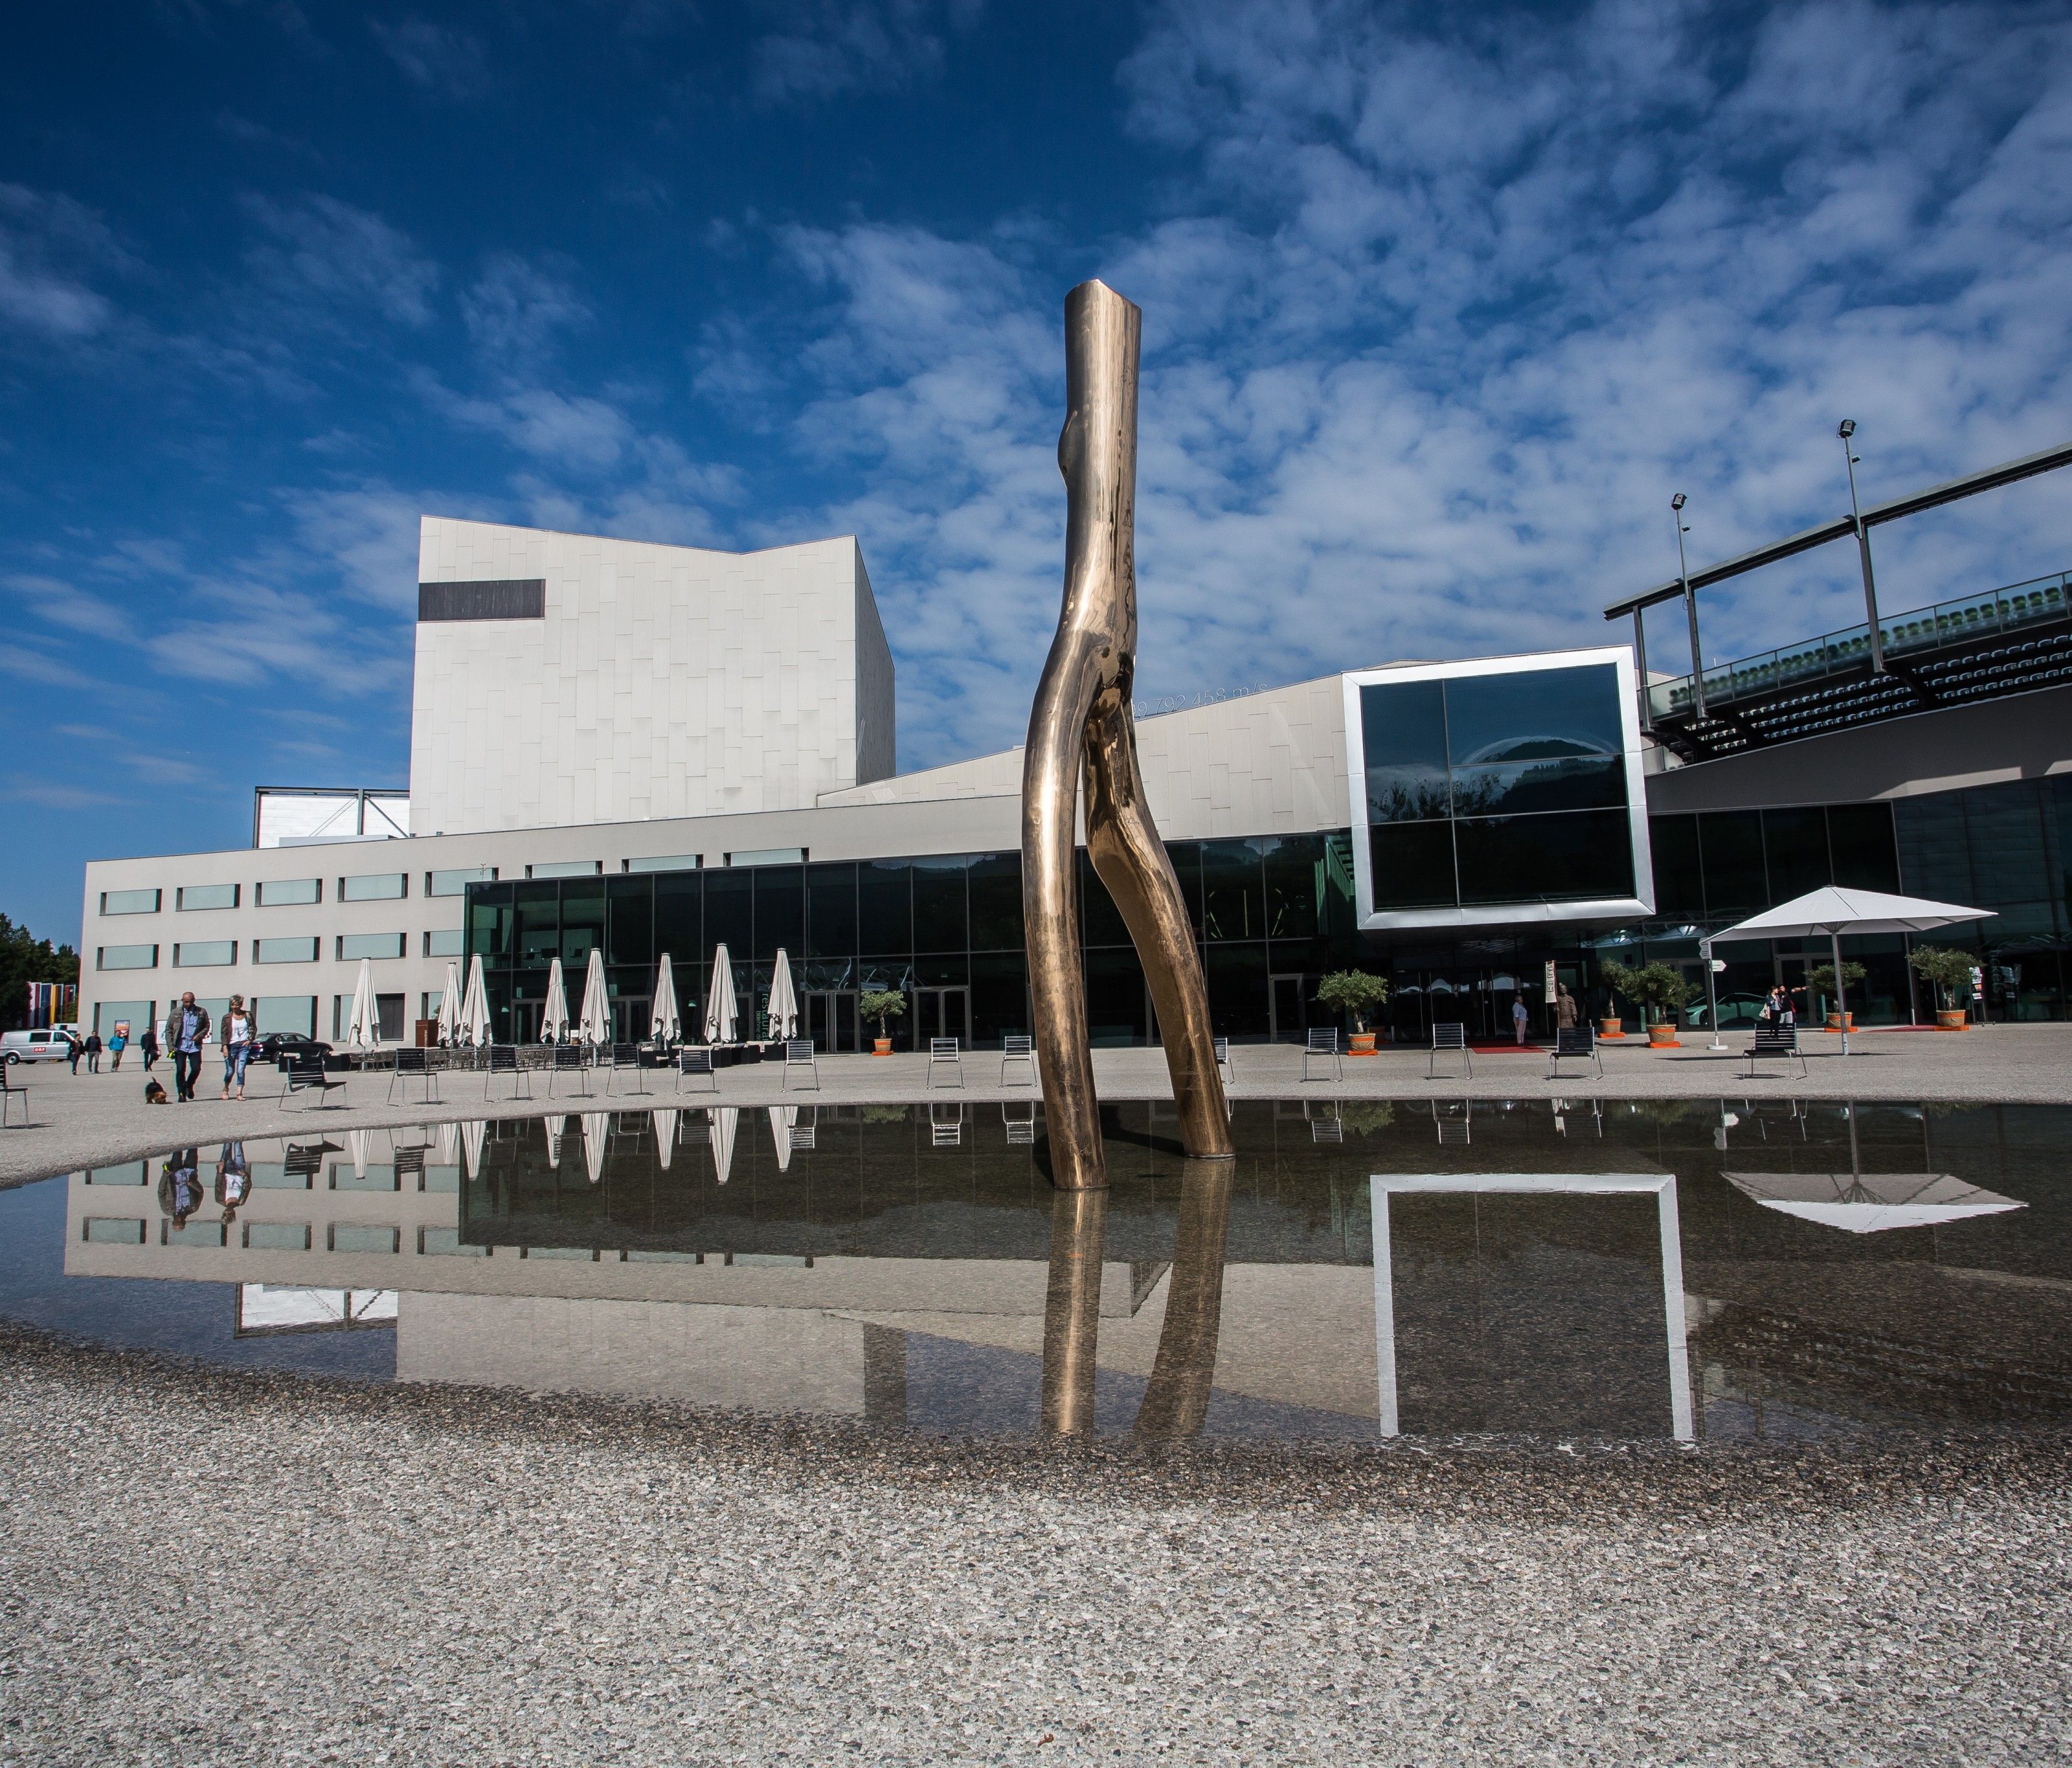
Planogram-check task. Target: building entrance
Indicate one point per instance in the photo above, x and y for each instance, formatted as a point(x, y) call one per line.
point(831, 1020)
point(1288, 1007)
point(942, 1012)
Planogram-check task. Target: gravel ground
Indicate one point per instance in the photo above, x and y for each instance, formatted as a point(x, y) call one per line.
point(204, 1568)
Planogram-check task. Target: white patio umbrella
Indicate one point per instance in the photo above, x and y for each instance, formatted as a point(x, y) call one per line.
point(781, 1118)
point(665, 1023)
point(448, 1020)
point(783, 1001)
point(725, 1119)
point(722, 1011)
point(1871, 1203)
point(362, 1025)
point(1834, 911)
point(473, 1133)
point(554, 1016)
point(595, 1024)
point(665, 1137)
point(557, 1128)
point(596, 1132)
point(474, 1004)
point(356, 1140)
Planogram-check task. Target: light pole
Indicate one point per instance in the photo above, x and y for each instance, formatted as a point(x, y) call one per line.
point(1690, 608)
point(1846, 432)
point(1712, 995)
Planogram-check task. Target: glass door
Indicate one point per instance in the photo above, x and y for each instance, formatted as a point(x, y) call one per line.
point(831, 1020)
point(1287, 1008)
point(630, 1016)
point(942, 1012)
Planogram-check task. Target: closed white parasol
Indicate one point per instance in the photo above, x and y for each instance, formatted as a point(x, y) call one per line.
point(665, 1024)
point(722, 1012)
point(784, 1000)
point(362, 1025)
point(475, 1004)
point(595, 1026)
point(554, 1015)
point(450, 1007)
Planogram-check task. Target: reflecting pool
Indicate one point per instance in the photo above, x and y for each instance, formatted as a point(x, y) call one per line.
point(1768, 1269)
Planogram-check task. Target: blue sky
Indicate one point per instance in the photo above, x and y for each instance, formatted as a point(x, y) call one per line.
point(1440, 305)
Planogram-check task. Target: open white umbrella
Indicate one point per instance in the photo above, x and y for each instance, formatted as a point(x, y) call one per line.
point(475, 1004)
point(557, 1128)
point(783, 1001)
point(665, 1023)
point(781, 1118)
point(473, 1133)
point(725, 1119)
point(450, 1007)
point(595, 1024)
point(554, 1015)
point(1871, 1203)
point(722, 1011)
point(1834, 911)
point(665, 1137)
point(363, 1027)
point(596, 1131)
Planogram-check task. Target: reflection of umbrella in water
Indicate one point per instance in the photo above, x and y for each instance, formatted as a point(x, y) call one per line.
point(449, 1144)
point(356, 1141)
point(1871, 1203)
point(665, 1137)
point(473, 1134)
point(725, 1119)
point(556, 1129)
point(596, 1131)
point(782, 1117)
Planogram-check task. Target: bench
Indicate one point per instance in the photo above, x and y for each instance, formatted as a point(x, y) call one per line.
point(503, 1060)
point(1323, 1047)
point(1449, 1036)
point(1576, 1041)
point(413, 1064)
point(1772, 1039)
point(304, 1071)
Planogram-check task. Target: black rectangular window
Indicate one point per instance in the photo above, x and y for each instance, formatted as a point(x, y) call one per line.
point(1403, 733)
point(884, 905)
point(1524, 859)
point(1679, 891)
point(1795, 845)
point(1535, 715)
point(680, 922)
point(1730, 844)
point(730, 910)
point(511, 598)
point(1413, 865)
point(780, 910)
point(831, 910)
point(994, 881)
point(1233, 899)
point(939, 921)
point(1859, 839)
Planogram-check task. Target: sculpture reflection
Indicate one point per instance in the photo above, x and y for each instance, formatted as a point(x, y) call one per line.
point(1176, 1399)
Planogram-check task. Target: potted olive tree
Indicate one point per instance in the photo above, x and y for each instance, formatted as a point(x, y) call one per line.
point(882, 1005)
point(1615, 977)
point(1948, 972)
point(1659, 989)
point(1821, 979)
point(1353, 992)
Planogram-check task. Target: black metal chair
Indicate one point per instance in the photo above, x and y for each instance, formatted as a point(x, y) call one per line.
point(503, 1060)
point(698, 1061)
point(624, 1055)
point(567, 1059)
point(1576, 1041)
point(1448, 1035)
point(1323, 1047)
point(1772, 1039)
point(413, 1064)
point(304, 1071)
point(9, 1093)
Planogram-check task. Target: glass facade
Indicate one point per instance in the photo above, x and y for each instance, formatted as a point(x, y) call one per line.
point(289, 892)
point(129, 902)
point(353, 945)
point(1484, 790)
point(285, 951)
point(208, 896)
point(204, 954)
point(373, 887)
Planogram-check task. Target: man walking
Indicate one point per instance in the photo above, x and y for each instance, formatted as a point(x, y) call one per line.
point(187, 1030)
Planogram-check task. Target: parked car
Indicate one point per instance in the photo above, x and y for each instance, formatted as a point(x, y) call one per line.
point(274, 1044)
point(34, 1045)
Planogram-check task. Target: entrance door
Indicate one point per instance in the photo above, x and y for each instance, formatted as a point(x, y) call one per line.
point(1287, 1008)
point(831, 1020)
point(630, 1017)
point(942, 1012)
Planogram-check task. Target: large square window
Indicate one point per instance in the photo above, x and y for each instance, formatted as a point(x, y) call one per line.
point(1585, 856)
point(1412, 865)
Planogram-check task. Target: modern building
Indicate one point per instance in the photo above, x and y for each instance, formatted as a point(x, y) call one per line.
point(651, 749)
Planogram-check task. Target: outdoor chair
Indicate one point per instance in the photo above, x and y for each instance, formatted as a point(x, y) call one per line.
point(414, 1065)
point(304, 1071)
point(305, 1160)
point(1330, 1127)
point(1323, 1047)
point(1449, 1036)
point(9, 1093)
point(503, 1060)
point(1020, 1130)
point(1578, 1041)
point(567, 1059)
point(798, 1054)
point(696, 1062)
point(946, 1132)
point(624, 1055)
point(943, 1055)
point(1222, 1048)
point(1017, 1048)
point(1773, 1039)
point(1457, 1132)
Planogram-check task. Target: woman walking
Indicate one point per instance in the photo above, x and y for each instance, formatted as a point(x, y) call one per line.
point(236, 1045)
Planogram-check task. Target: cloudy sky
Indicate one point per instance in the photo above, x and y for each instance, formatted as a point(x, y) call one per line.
point(1440, 305)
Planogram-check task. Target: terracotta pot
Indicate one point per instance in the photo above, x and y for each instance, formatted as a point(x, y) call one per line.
point(1609, 1028)
point(880, 1046)
point(1951, 1019)
point(1662, 1036)
point(1834, 1021)
point(1363, 1044)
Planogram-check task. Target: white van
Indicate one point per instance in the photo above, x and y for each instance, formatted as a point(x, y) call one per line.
point(34, 1046)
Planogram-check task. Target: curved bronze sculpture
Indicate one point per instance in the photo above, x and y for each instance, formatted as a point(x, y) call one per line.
point(1082, 717)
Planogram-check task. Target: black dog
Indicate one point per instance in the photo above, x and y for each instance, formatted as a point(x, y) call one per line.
point(153, 1093)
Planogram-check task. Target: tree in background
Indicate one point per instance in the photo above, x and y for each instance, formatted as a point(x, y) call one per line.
point(25, 959)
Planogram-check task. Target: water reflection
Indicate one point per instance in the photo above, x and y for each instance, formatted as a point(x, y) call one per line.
point(1688, 1269)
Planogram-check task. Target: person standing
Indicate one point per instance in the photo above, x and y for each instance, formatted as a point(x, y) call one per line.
point(187, 1030)
point(236, 1039)
point(92, 1053)
point(75, 1048)
point(1519, 1018)
point(1566, 1013)
point(118, 1041)
point(148, 1044)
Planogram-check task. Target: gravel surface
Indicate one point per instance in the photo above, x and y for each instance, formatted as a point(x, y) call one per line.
point(205, 1568)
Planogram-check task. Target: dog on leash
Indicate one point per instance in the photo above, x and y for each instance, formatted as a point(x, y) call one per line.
point(153, 1093)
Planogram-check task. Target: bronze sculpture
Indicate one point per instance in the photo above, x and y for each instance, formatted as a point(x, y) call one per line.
point(1082, 718)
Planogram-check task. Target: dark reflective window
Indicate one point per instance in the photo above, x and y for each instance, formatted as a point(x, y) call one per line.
point(780, 910)
point(1294, 869)
point(884, 905)
point(1859, 839)
point(1412, 865)
point(1522, 859)
point(831, 910)
point(730, 910)
point(1118, 1010)
point(999, 995)
point(582, 920)
point(940, 923)
point(995, 884)
point(1795, 845)
point(1679, 891)
point(1186, 858)
point(2009, 859)
point(630, 921)
point(1520, 788)
point(1237, 981)
point(1403, 737)
point(1233, 895)
point(679, 917)
point(1101, 922)
point(1934, 858)
point(1533, 715)
point(1730, 845)
point(539, 910)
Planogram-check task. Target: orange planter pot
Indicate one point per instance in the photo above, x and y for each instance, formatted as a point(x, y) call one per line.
point(1610, 1028)
point(1362, 1044)
point(1834, 1021)
point(880, 1046)
point(1663, 1038)
point(1955, 1019)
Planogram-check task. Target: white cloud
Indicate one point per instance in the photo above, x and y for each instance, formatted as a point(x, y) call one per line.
point(48, 244)
point(323, 251)
point(819, 47)
point(434, 58)
point(515, 309)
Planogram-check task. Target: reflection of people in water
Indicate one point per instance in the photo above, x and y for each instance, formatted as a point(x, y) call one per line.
point(180, 1185)
point(233, 1180)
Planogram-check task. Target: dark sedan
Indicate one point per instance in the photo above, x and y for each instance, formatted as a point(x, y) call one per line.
point(273, 1045)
